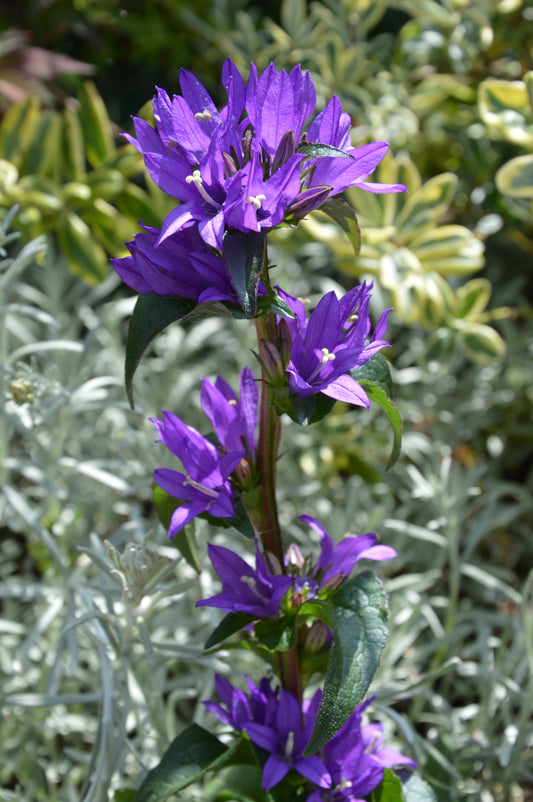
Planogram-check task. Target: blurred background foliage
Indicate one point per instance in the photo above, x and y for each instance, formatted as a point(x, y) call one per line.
point(101, 653)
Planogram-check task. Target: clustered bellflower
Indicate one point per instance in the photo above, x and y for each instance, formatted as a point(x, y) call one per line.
point(274, 721)
point(332, 341)
point(258, 592)
point(249, 167)
point(356, 760)
point(207, 486)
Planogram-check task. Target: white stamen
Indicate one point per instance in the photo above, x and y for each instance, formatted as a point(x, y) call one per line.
point(326, 356)
point(250, 581)
point(196, 178)
point(202, 115)
point(256, 200)
point(353, 317)
point(232, 402)
point(290, 744)
point(208, 491)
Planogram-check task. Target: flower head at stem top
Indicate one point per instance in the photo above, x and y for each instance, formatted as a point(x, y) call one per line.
point(251, 165)
point(331, 342)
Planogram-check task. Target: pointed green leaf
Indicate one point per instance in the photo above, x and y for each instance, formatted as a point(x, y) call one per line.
point(244, 256)
point(96, 125)
point(84, 256)
point(151, 315)
point(274, 303)
point(376, 370)
point(230, 624)
point(417, 790)
point(73, 147)
point(183, 540)
point(317, 608)
point(344, 215)
point(389, 789)
point(359, 634)
point(277, 634)
point(188, 757)
point(376, 394)
point(316, 149)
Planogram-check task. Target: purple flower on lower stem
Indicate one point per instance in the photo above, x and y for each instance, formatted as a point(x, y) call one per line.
point(234, 419)
point(356, 759)
point(206, 486)
point(330, 343)
point(255, 592)
point(238, 708)
point(274, 721)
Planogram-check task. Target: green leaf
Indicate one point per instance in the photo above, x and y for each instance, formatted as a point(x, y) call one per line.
point(151, 315)
point(277, 634)
point(244, 256)
point(315, 149)
point(389, 789)
point(183, 540)
point(344, 215)
point(85, 257)
point(376, 394)
point(317, 608)
point(273, 303)
point(310, 409)
point(230, 624)
point(377, 371)
point(417, 790)
point(73, 147)
point(515, 178)
point(96, 125)
point(188, 757)
point(124, 795)
point(359, 634)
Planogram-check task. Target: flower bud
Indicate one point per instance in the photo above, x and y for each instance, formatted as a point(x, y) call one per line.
point(270, 360)
point(317, 636)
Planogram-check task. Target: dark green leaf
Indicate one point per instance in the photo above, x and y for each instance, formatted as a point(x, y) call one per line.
point(188, 757)
point(344, 215)
point(376, 370)
point(273, 303)
point(152, 314)
point(417, 790)
point(359, 634)
point(244, 255)
point(124, 795)
point(183, 540)
point(377, 395)
point(230, 624)
point(277, 634)
point(310, 409)
point(389, 789)
point(316, 149)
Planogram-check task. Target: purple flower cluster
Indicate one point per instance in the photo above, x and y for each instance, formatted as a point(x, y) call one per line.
point(331, 342)
point(206, 486)
point(258, 592)
point(349, 766)
point(274, 721)
point(249, 167)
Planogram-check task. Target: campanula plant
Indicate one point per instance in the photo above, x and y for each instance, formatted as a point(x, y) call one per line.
point(263, 161)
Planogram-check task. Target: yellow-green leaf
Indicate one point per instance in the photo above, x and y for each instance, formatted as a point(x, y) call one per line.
point(96, 125)
point(505, 106)
point(44, 151)
point(423, 209)
point(480, 342)
point(18, 128)
point(73, 163)
point(85, 257)
point(516, 177)
point(449, 250)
